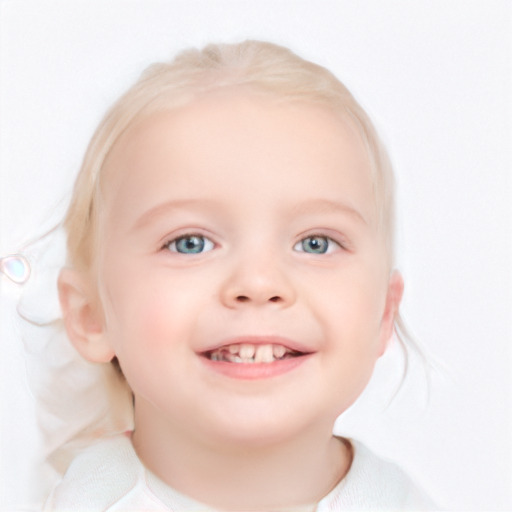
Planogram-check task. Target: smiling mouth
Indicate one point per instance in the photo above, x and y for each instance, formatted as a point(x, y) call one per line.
point(247, 353)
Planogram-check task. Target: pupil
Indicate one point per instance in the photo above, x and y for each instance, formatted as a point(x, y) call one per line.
point(316, 244)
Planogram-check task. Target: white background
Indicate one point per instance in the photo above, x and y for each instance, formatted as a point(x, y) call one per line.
point(435, 76)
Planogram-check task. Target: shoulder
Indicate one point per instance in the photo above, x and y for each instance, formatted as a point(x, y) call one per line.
point(99, 477)
point(373, 483)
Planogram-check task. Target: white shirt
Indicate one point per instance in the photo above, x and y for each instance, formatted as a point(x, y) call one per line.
point(109, 477)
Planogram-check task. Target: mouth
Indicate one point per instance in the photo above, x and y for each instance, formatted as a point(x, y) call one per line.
point(255, 357)
point(250, 353)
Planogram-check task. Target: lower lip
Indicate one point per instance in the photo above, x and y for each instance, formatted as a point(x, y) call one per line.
point(253, 371)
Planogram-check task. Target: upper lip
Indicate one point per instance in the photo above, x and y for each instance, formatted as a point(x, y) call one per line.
point(259, 340)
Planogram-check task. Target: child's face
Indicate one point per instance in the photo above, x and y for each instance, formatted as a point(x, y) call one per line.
point(233, 222)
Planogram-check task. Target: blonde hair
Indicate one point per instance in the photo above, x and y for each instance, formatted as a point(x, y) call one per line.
point(263, 68)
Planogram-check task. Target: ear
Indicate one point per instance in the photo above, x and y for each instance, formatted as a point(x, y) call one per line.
point(83, 316)
point(393, 299)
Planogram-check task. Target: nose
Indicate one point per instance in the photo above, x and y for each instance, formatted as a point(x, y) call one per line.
point(258, 281)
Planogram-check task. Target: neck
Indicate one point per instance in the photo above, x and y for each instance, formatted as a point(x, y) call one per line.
point(275, 475)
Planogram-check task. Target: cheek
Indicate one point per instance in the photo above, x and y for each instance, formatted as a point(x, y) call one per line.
point(351, 318)
point(141, 317)
point(354, 300)
point(155, 320)
point(150, 310)
point(144, 332)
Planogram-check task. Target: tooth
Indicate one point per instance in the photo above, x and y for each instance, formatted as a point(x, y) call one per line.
point(246, 351)
point(278, 351)
point(264, 354)
point(234, 349)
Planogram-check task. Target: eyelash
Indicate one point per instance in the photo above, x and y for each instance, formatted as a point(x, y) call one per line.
point(324, 244)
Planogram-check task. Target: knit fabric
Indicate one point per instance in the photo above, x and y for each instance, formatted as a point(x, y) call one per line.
point(109, 477)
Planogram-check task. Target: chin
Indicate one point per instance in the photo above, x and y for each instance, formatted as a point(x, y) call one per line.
point(266, 428)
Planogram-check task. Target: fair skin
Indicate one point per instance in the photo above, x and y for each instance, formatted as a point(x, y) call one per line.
point(237, 222)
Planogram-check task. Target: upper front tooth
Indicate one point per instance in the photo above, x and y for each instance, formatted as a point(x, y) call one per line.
point(278, 350)
point(234, 349)
point(264, 354)
point(246, 351)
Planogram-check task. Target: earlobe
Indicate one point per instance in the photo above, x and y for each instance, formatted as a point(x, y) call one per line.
point(82, 316)
point(393, 299)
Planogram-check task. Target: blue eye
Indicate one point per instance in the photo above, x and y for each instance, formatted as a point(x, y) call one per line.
point(190, 244)
point(316, 245)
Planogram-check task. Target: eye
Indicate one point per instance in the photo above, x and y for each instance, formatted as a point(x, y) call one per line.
point(316, 245)
point(190, 244)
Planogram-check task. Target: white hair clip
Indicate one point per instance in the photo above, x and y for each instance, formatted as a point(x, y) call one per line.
point(16, 267)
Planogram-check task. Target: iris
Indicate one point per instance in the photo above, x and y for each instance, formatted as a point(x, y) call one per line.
point(315, 244)
point(192, 244)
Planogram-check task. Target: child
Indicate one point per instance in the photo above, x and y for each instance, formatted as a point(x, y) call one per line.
point(230, 246)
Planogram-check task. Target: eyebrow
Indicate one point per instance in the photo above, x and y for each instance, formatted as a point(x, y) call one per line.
point(320, 206)
point(329, 206)
point(167, 206)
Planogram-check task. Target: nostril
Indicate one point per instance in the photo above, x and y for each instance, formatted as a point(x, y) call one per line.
point(244, 298)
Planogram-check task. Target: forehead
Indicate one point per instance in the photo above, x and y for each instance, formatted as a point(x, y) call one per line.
point(239, 147)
